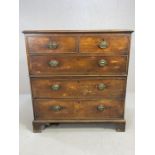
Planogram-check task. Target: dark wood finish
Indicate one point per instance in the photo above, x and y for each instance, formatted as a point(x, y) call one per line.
point(78, 65)
point(38, 125)
point(120, 127)
point(39, 44)
point(78, 88)
point(31, 32)
point(77, 75)
point(116, 44)
point(79, 109)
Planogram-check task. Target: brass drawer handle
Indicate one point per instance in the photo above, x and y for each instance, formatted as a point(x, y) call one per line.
point(53, 45)
point(100, 108)
point(102, 62)
point(53, 63)
point(55, 87)
point(103, 44)
point(56, 108)
point(101, 86)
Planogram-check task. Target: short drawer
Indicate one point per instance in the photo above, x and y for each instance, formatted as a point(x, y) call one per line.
point(51, 44)
point(110, 87)
point(106, 43)
point(78, 109)
point(78, 65)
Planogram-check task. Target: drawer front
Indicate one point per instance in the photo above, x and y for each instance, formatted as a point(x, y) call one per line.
point(107, 44)
point(78, 88)
point(52, 44)
point(78, 109)
point(78, 65)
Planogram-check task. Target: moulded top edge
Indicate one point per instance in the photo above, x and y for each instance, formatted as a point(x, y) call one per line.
point(75, 31)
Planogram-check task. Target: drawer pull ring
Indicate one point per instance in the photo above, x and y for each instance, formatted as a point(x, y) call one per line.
point(102, 62)
point(100, 108)
point(53, 45)
point(101, 86)
point(103, 44)
point(55, 87)
point(53, 63)
point(56, 108)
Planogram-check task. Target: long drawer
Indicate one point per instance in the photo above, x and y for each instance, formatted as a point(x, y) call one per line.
point(109, 87)
point(78, 65)
point(78, 109)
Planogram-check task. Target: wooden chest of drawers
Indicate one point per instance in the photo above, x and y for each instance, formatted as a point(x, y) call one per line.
point(78, 76)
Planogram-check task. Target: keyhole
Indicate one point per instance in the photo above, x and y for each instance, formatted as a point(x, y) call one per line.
point(78, 102)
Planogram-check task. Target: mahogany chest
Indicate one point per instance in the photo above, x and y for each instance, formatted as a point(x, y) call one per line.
point(78, 76)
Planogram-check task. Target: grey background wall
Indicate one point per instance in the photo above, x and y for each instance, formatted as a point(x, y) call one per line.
point(71, 14)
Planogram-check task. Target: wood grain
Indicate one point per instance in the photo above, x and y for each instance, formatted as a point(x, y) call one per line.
point(78, 74)
point(39, 44)
point(78, 65)
point(79, 109)
point(78, 88)
point(116, 44)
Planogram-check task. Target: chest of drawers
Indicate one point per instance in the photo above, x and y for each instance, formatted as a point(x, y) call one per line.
point(78, 76)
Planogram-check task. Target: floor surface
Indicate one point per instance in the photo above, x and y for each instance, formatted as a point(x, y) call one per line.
point(75, 139)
